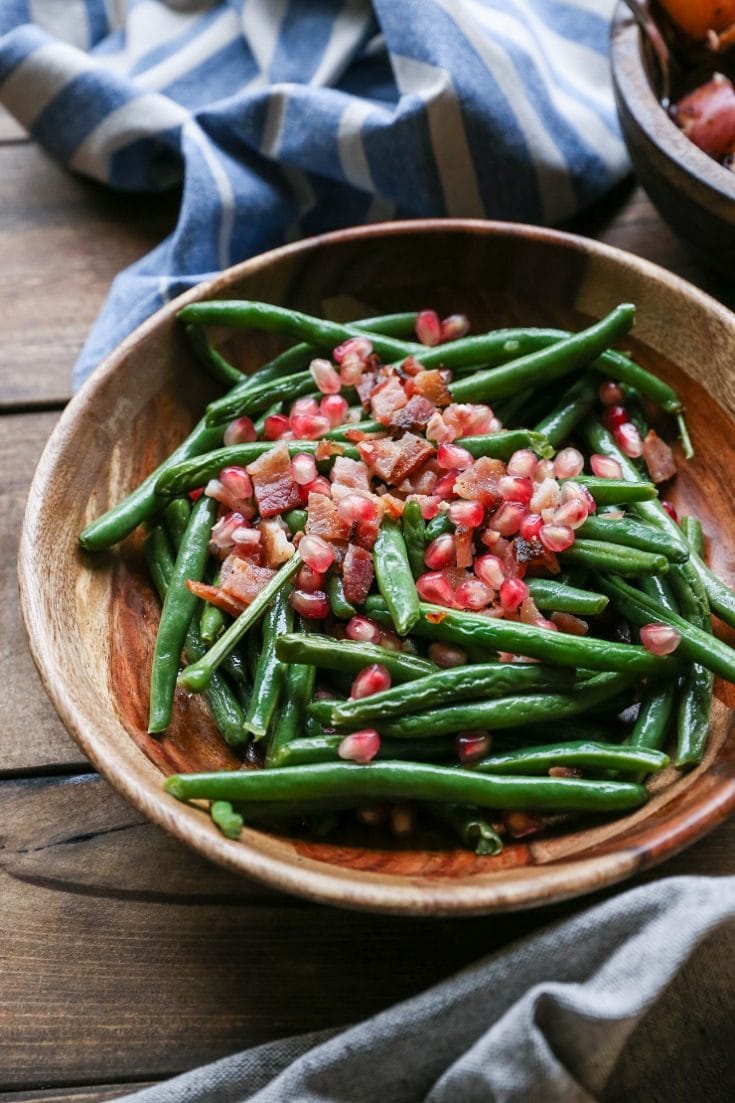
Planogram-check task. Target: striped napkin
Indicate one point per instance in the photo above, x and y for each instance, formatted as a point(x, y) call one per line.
point(283, 118)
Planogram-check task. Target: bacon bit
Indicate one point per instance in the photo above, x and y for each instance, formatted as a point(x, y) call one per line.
point(358, 574)
point(277, 548)
point(365, 386)
point(411, 367)
point(350, 473)
point(324, 519)
point(463, 546)
point(422, 481)
point(432, 385)
point(215, 596)
point(520, 824)
point(481, 481)
point(393, 461)
point(243, 580)
point(658, 457)
point(567, 622)
point(387, 398)
point(325, 449)
point(414, 415)
point(354, 436)
point(435, 618)
point(394, 507)
point(366, 532)
point(274, 484)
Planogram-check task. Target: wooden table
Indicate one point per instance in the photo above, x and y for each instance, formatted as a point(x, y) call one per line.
point(125, 958)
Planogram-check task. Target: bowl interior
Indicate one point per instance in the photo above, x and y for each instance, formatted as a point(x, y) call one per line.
point(92, 620)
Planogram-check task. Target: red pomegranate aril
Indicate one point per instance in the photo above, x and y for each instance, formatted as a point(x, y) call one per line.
point(472, 745)
point(572, 513)
point(489, 569)
point(303, 468)
point(275, 426)
point(429, 328)
point(665, 504)
point(436, 588)
point(429, 505)
point(309, 426)
point(556, 538)
point(531, 526)
point(576, 492)
point(309, 580)
point(516, 488)
point(512, 593)
point(568, 463)
point(316, 553)
point(614, 416)
point(523, 463)
point(304, 405)
point(320, 485)
point(240, 431)
point(473, 595)
point(453, 458)
point(222, 532)
point(660, 639)
point(362, 630)
point(361, 746)
point(236, 482)
point(371, 679)
point(446, 655)
point(605, 467)
point(195, 495)
point(469, 514)
point(325, 376)
point(610, 393)
point(629, 440)
point(357, 348)
point(454, 327)
point(544, 470)
point(507, 518)
point(441, 552)
point(445, 486)
point(334, 408)
point(312, 606)
point(354, 507)
point(546, 496)
point(437, 430)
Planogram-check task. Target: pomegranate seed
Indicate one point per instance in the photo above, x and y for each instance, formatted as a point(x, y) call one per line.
point(247, 542)
point(304, 405)
point(507, 518)
point(614, 416)
point(356, 348)
point(360, 746)
point(605, 467)
point(312, 606)
point(221, 536)
point(469, 514)
point(402, 820)
point(473, 594)
point(195, 495)
point(670, 510)
point(441, 552)
point(350, 371)
point(512, 593)
point(660, 639)
point(490, 570)
point(546, 496)
point(435, 587)
point(236, 482)
point(576, 492)
point(556, 538)
point(568, 463)
point(610, 393)
point(629, 440)
point(362, 630)
point(309, 580)
point(572, 513)
point(240, 431)
point(516, 488)
point(275, 426)
point(567, 622)
point(325, 376)
point(452, 457)
point(470, 419)
point(445, 486)
point(334, 408)
point(353, 508)
point(303, 468)
point(523, 463)
point(436, 430)
point(454, 327)
point(309, 426)
point(372, 679)
point(320, 485)
point(429, 505)
point(544, 470)
point(316, 553)
point(473, 745)
point(531, 526)
point(429, 328)
point(446, 655)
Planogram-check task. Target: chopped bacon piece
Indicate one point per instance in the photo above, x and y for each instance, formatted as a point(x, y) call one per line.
point(277, 548)
point(275, 487)
point(395, 460)
point(463, 546)
point(432, 385)
point(366, 532)
point(351, 473)
point(215, 596)
point(659, 458)
point(480, 482)
point(243, 580)
point(411, 366)
point(394, 507)
point(366, 386)
point(358, 574)
point(325, 449)
point(324, 519)
point(414, 415)
point(423, 481)
point(386, 399)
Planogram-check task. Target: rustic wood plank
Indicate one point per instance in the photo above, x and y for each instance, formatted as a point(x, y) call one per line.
point(64, 239)
point(31, 736)
point(93, 1094)
point(10, 128)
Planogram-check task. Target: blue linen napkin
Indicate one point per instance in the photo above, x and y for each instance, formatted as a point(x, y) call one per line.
point(284, 118)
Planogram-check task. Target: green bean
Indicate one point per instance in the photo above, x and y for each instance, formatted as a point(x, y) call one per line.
point(212, 360)
point(270, 671)
point(414, 535)
point(296, 520)
point(458, 683)
point(226, 818)
point(548, 594)
point(178, 609)
point(578, 755)
point(502, 445)
point(720, 597)
point(196, 677)
point(633, 534)
point(298, 691)
point(576, 403)
point(507, 408)
point(212, 620)
point(613, 492)
point(325, 748)
point(545, 364)
point(407, 781)
point(394, 578)
point(616, 558)
point(350, 656)
point(660, 590)
point(341, 431)
point(474, 830)
point(439, 623)
point(254, 399)
point(657, 705)
point(695, 703)
point(338, 603)
point(175, 519)
point(693, 534)
point(437, 526)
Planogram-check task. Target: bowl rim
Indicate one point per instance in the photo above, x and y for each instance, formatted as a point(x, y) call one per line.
point(635, 90)
point(316, 880)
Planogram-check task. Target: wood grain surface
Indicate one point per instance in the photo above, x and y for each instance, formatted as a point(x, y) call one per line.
point(75, 857)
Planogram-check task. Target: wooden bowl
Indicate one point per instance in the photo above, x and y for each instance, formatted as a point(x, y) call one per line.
point(694, 193)
point(91, 620)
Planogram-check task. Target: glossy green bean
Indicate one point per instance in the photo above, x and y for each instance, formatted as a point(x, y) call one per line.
point(350, 657)
point(212, 620)
point(693, 532)
point(577, 755)
point(558, 425)
point(175, 518)
point(695, 701)
point(615, 558)
point(502, 445)
point(298, 691)
point(325, 748)
point(437, 526)
point(633, 534)
point(296, 520)
point(414, 535)
point(367, 426)
point(613, 492)
point(473, 828)
point(211, 360)
point(226, 818)
point(338, 603)
point(654, 716)
point(270, 671)
point(550, 595)
point(394, 578)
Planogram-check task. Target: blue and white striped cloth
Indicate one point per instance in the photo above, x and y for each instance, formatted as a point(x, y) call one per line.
point(282, 118)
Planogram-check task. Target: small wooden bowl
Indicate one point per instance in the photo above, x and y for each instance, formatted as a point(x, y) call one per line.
point(91, 620)
point(691, 191)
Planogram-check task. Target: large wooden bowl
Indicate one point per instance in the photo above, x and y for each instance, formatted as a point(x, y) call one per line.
point(91, 620)
point(691, 191)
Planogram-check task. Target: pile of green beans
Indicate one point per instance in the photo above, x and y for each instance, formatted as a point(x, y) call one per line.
point(554, 721)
